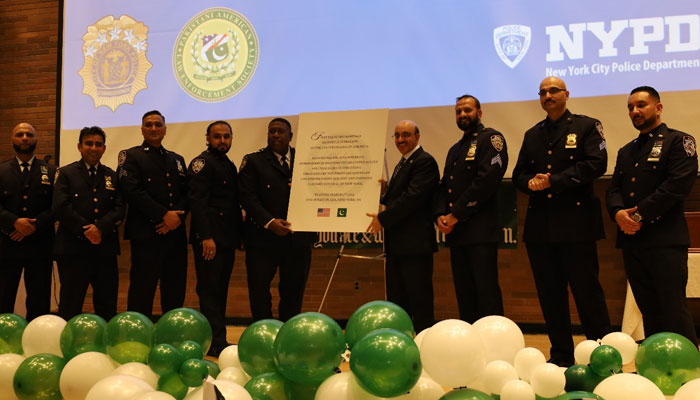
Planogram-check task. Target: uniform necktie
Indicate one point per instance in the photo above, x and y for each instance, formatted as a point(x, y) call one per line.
point(93, 175)
point(25, 171)
point(398, 167)
point(285, 165)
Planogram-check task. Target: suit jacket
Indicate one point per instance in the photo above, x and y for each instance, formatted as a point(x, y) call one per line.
point(213, 200)
point(26, 200)
point(76, 203)
point(264, 190)
point(469, 188)
point(153, 181)
point(655, 172)
point(572, 150)
point(408, 219)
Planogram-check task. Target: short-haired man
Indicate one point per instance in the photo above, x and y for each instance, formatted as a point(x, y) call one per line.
point(26, 225)
point(653, 175)
point(560, 158)
point(89, 210)
point(270, 242)
point(153, 182)
point(466, 210)
point(215, 227)
point(408, 227)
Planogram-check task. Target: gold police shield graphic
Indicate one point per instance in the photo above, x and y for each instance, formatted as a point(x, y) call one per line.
point(115, 65)
point(215, 54)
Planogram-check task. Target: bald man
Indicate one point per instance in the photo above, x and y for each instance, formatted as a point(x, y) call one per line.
point(560, 158)
point(26, 226)
point(408, 227)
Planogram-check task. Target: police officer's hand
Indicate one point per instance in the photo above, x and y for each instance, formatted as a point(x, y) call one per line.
point(93, 234)
point(208, 249)
point(16, 236)
point(539, 182)
point(442, 224)
point(280, 227)
point(171, 219)
point(374, 226)
point(25, 226)
point(626, 223)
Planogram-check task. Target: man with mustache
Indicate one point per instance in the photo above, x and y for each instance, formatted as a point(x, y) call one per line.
point(559, 159)
point(653, 175)
point(26, 225)
point(216, 224)
point(466, 210)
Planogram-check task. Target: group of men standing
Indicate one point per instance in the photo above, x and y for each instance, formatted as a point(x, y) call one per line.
point(559, 160)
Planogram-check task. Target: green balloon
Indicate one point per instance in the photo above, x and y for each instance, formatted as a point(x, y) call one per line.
point(83, 333)
point(376, 315)
point(191, 349)
point(173, 385)
point(578, 395)
point(180, 324)
point(267, 386)
point(308, 348)
point(669, 360)
point(213, 368)
point(193, 372)
point(255, 347)
point(300, 391)
point(606, 360)
point(11, 329)
point(165, 359)
point(581, 378)
point(37, 378)
point(128, 337)
point(466, 394)
point(386, 363)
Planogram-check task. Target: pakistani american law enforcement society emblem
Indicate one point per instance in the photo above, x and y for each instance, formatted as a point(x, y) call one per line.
point(512, 43)
point(215, 54)
point(115, 66)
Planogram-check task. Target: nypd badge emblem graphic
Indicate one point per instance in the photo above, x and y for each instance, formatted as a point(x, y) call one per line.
point(512, 43)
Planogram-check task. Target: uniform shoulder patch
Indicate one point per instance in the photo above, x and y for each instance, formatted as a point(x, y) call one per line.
point(198, 165)
point(599, 128)
point(689, 146)
point(244, 161)
point(55, 177)
point(121, 159)
point(497, 142)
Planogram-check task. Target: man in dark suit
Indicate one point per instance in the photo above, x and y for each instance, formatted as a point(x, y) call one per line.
point(153, 182)
point(216, 224)
point(89, 210)
point(270, 242)
point(466, 210)
point(26, 225)
point(409, 234)
point(653, 175)
point(558, 161)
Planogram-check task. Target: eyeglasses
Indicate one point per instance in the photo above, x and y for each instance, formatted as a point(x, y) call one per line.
point(553, 90)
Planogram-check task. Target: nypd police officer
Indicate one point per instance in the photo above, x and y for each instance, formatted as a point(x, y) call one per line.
point(153, 182)
point(558, 161)
point(653, 175)
point(89, 210)
point(216, 224)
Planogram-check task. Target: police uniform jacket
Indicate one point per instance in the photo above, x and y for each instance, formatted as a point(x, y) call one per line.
point(655, 173)
point(213, 200)
point(153, 181)
point(572, 149)
point(473, 173)
point(408, 220)
point(26, 200)
point(264, 190)
point(76, 203)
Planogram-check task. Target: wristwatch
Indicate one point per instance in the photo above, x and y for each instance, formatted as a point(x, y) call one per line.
point(636, 217)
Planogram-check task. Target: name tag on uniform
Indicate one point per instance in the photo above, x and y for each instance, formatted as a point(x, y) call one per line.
point(655, 153)
point(570, 141)
point(108, 183)
point(471, 152)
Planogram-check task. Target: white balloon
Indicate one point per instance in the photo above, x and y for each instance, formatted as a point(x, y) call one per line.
point(497, 374)
point(689, 391)
point(517, 390)
point(526, 360)
point(82, 372)
point(547, 380)
point(8, 366)
point(43, 335)
point(229, 357)
point(425, 389)
point(154, 396)
point(231, 390)
point(140, 371)
point(419, 337)
point(196, 394)
point(623, 343)
point(627, 386)
point(234, 374)
point(118, 387)
point(582, 352)
point(356, 392)
point(502, 338)
point(335, 387)
point(452, 353)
